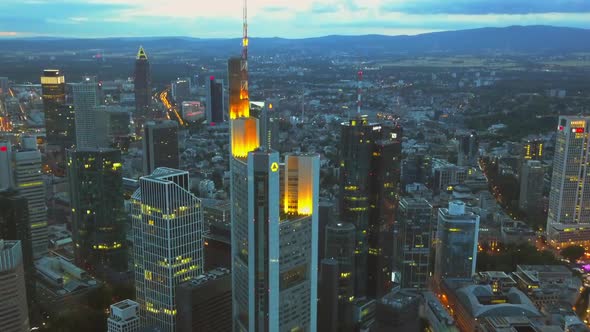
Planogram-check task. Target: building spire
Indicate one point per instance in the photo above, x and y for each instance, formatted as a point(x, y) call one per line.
point(141, 55)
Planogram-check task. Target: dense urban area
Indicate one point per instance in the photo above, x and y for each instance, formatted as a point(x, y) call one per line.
point(180, 185)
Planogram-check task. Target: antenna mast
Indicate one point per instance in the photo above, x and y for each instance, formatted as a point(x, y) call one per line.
point(244, 95)
point(359, 101)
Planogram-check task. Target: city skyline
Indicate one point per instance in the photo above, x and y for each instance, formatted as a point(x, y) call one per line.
point(306, 18)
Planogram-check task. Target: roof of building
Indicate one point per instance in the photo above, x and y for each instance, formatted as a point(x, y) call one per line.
point(513, 303)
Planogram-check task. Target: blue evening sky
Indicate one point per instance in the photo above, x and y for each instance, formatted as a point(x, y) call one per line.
point(282, 18)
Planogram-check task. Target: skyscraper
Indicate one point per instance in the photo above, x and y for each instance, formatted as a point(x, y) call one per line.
point(86, 107)
point(30, 184)
point(13, 302)
point(59, 124)
point(168, 243)
point(181, 90)
point(215, 100)
point(280, 250)
point(328, 296)
point(160, 146)
point(98, 214)
point(142, 81)
point(6, 168)
point(204, 303)
point(413, 241)
point(531, 188)
point(14, 225)
point(340, 245)
point(369, 182)
point(468, 149)
point(532, 149)
point(457, 235)
point(568, 219)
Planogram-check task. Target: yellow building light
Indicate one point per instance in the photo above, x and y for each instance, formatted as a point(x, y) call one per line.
point(244, 136)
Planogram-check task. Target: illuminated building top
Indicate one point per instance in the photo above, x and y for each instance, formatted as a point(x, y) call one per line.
point(141, 55)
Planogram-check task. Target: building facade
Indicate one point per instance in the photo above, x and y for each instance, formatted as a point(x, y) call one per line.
point(142, 83)
point(204, 303)
point(98, 214)
point(456, 238)
point(14, 315)
point(531, 188)
point(124, 317)
point(86, 100)
point(413, 242)
point(168, 243)
point(215, 100)
point(160, 146)
point(59, 122)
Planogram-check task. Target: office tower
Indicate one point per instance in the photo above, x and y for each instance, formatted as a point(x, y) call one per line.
point(532, 149)
point(412, 244)
point(6, 171)
point(181, 90)
point(328, 296)
point(14, 225)
point(142, 81)
point(268, 126)
point(369, 181)
point(398, 310)
point(30, 184)
point(325, 216)
point(215, 100)
point(124, 317)
point(568, 219)
point(168, 243)
point(58, 122)
point(456, 236)
point(468, 149)
point(98, 214)
point(341, 245)
point(160, 145)
point(204, 303)
point(531, 188)
point(13, 302)
point(416, 168)
point(86, 107)
point(280, 250)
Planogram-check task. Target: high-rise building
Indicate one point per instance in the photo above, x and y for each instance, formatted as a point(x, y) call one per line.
point(142, 81)
point(30, 184)
point(532, 149)
point(468, 149)
point(328, 296)
point(181, 90)
point(275, 262)
point(124, 317)
point(412, 243)
point(456, 236)
point(168, 243)
point(86, 106)
point(568, 219)
point(4, 85)
point(204, 303)
point(59, 123)
point(14, 225)
point(160, 145)
point(6, 168)
point(369, 183)
point(98, 214)
point(13, 302)
point(215, 107)
point(268, 125)
point(340, 245)
point(531, 188)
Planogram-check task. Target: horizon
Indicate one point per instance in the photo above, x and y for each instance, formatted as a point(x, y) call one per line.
point(17, 37)
point(274, 18)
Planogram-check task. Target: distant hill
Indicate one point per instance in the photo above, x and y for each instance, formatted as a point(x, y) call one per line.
point(514, 39)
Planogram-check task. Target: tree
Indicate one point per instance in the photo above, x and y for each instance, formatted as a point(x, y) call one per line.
point(572, 253)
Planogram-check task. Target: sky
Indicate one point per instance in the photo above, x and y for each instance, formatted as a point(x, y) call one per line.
point(277, 18)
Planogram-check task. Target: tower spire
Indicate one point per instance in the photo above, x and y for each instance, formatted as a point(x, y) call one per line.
point(141, 55)
point(244, 94)
point(359, 101)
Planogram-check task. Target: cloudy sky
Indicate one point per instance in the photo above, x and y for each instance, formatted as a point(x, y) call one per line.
point(282, 18)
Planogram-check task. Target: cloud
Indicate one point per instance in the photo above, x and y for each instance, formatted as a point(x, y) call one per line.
point(10, 34)
point(480, 7)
